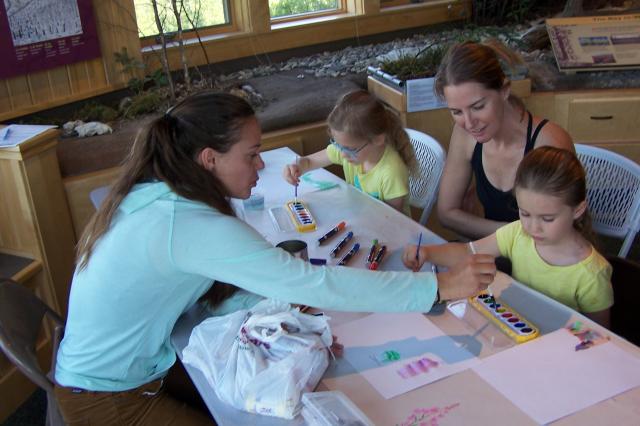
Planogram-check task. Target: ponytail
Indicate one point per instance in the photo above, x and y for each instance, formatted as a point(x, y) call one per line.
point(399, 139)
point(166, 151)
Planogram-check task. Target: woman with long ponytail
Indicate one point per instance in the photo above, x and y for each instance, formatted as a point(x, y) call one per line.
point(164, 236)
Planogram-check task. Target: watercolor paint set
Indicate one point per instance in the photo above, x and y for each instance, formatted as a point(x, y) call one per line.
point(505, 318)
point(301, 216)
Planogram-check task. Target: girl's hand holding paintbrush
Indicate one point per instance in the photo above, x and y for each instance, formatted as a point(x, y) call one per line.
point(292, 172)
point(467, 275)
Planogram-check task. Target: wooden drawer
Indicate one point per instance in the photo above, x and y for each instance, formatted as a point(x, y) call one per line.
point(604, 119)
point(631, 150)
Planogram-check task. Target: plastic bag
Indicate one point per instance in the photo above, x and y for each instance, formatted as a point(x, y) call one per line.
point(262, 360)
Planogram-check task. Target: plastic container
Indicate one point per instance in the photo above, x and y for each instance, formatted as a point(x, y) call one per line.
point(332, 408)
point(254, 202)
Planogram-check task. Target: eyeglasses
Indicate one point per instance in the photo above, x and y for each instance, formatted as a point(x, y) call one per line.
point(351, 152)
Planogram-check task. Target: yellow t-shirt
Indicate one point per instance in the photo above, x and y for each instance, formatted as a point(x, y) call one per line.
point(584, 286)
point(387, 180)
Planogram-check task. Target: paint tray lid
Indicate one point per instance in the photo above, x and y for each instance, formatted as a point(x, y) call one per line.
point(331, 409)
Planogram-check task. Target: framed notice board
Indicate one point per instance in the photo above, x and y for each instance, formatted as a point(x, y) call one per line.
point(36, 35)
point(595, 43)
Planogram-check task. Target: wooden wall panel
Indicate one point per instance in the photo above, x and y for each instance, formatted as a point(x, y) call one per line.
point(5, 99)
point(39, 86)
point(78, 77)
point(19, 94)
point(252, 34)
point(60, 84)
point(116, 27)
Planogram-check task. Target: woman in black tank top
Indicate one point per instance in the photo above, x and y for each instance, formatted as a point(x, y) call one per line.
point(492, 132)
point(500, 205)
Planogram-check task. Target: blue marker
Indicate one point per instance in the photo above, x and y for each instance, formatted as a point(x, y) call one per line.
point(341, 244)
point(349, 254)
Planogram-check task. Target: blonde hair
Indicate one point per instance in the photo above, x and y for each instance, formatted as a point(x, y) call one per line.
point(364, 116)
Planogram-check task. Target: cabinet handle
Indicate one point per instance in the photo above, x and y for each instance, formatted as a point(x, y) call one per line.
point(601, 117)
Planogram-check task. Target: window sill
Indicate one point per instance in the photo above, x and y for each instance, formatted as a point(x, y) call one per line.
point(310, 21)
point(194, 41)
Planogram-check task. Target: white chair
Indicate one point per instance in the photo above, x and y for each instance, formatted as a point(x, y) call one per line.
point(424, 182)
point(613, 193)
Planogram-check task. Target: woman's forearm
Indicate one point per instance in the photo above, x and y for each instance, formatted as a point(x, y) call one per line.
point(468, 225)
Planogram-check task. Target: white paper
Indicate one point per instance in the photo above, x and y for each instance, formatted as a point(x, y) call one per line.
point(548, 379)
point(413, 338)
point(15, 134)
point(420, 95)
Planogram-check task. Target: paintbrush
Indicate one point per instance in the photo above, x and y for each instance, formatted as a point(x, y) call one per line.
point(473, 251)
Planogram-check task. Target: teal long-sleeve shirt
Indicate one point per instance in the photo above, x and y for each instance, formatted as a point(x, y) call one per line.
point(160, 254)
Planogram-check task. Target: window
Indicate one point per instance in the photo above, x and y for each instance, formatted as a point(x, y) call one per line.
point(193, 13)
point(286, 9)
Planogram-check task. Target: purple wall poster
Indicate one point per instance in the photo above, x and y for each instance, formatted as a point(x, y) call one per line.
point(36, 35)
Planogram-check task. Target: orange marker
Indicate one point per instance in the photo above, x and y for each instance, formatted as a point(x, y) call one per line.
point(339, 227)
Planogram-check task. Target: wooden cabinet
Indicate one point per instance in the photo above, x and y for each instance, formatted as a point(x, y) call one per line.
point(606, 118)
point(36, 243)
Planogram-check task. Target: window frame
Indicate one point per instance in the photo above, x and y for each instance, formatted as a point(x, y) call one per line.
point(228, 27)
point(339, 10)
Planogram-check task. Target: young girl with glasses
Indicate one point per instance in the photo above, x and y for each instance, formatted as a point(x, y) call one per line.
point(368, 140)
point(549, 246)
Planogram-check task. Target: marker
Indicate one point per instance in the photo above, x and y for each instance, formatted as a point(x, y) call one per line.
point(376, 262)
point(418, 249)
point(372, 252)
point(341, 244)
point(349, 254)
point(339, 227)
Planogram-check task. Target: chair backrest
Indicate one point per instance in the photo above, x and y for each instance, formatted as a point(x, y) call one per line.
point(626, 292)
point(21, 320)
point(613, 193)
point(424, 182)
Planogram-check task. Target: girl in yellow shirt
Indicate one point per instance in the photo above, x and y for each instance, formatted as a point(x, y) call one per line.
point(368, 140)
point(549, 247)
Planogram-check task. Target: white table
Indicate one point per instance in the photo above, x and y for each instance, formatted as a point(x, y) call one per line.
point(371, 219)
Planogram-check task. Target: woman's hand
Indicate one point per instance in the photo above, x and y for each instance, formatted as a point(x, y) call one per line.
point(292, 173)
point(336, 348)
point(467, 278)
point(409, 257)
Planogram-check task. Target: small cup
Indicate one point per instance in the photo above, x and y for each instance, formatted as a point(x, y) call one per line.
point(295, 248)
point(254, 202)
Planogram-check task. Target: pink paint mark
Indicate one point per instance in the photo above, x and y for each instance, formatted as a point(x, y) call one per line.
point(427, 416)
point(414, 368)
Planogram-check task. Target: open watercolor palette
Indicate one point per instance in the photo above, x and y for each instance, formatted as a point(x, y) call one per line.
point(301, 216)
point(506, 319)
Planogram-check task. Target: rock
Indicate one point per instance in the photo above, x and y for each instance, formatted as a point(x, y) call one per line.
point(92, 128)
point(70, 126)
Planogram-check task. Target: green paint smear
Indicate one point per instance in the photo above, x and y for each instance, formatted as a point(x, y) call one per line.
point(391, 356)
point(320, 184)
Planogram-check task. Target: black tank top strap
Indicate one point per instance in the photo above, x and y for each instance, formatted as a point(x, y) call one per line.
point(537, 132)
point(531, 138)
